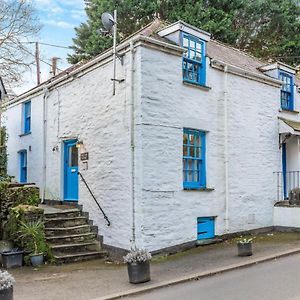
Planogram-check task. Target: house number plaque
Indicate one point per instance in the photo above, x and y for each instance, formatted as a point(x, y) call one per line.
point(84, 156)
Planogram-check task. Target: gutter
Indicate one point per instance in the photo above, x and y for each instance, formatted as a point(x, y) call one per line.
point(218, 64)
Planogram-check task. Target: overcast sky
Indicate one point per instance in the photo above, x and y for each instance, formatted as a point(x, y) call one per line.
point(58, 19)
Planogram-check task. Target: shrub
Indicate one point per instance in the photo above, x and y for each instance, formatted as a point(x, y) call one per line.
point(6, 280)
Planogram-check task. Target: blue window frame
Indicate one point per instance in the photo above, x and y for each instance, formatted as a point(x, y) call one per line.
point(287, 91)
point(27, 117)
point(194, 60)
point(23, 166)
point(194, 169)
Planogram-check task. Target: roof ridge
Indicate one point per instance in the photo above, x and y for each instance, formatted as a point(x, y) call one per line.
point(240, 51)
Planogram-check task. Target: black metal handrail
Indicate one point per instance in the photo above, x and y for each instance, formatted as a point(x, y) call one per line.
point(87, 186)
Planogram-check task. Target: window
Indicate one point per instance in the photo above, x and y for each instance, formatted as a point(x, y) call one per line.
point(27, 117)
point(23, 166)
point(287, 95)
point(194, 170)
point(194, 61)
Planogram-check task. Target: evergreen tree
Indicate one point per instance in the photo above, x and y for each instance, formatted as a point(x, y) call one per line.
point(265, 28)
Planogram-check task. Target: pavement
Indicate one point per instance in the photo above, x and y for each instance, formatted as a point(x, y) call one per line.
point(105, 280)
point(276, 280)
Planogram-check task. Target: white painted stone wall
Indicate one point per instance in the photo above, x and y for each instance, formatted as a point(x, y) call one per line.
point(169, 106)
point(287, 216)
point(85, 109)
point(166, 215)
point(13, 117)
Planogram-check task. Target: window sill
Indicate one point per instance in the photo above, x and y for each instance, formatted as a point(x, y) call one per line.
point(289, 110)
point(198, 86)
point(207, 189)
point(24, 134)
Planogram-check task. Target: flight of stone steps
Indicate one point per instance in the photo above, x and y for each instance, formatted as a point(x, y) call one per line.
point(72, 237)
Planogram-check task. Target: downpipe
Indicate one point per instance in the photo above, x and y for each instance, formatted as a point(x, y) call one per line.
point(226, 159)
point(132, 140)
point(44, 139)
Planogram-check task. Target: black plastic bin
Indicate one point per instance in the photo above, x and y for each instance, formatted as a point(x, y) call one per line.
point(12, 259)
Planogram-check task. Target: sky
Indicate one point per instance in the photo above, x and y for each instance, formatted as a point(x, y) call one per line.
point(58, 19)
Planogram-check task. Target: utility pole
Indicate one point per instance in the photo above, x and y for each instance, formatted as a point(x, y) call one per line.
point(37, 61)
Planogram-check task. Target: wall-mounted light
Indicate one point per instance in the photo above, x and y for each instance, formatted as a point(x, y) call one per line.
point(79, 144)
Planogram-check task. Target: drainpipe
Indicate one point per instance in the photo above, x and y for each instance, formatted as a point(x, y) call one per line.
point(44, 139)
point(132, 139)
point(226, 148)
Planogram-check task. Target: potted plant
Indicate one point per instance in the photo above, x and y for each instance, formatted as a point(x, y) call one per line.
point(34, 238)
point(6, 285)
point(138, 265)
point(245, 246)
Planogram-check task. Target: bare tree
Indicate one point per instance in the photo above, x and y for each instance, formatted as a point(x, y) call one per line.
point(18, 23)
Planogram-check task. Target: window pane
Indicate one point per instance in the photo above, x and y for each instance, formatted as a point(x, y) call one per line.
point(185, 138)
point(185, 42)
point(192, 151)
point(185, 151)
point(191, 139)
point(73, 156)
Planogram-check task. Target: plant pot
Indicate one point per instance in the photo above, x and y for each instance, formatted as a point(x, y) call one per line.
point(36, 259)
point(7, 294)
point(244, 249)
point(12, 259)
point(138, 272)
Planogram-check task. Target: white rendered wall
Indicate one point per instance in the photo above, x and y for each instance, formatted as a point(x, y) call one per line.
point(13, 118)
point(287, 216)
point(85, 109)
point(167, 213)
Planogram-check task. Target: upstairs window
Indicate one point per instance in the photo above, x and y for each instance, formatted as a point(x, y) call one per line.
point(194, 170)
point(286, 94)
point(194, 61)
point(27, 117)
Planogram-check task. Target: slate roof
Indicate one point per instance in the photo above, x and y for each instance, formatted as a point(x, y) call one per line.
point(215, 49)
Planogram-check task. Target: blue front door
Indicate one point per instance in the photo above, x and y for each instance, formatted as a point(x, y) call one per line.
point(70, 171)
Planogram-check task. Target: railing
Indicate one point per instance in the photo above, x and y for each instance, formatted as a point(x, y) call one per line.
point(93, 196)
point(286, 181)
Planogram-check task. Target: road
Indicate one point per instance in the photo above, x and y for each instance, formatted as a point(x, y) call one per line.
point(277, 279)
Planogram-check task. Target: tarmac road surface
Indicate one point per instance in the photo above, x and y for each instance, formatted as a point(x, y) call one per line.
point(274, 280)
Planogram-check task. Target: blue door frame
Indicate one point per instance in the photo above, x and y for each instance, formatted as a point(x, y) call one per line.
point(284, 170)
point(70, 171)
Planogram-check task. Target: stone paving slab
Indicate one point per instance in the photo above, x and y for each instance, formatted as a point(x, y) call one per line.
point(97, 279)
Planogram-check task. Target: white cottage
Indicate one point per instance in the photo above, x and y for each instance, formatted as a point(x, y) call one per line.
point(185, 150)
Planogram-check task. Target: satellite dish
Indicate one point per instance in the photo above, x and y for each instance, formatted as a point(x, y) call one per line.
point(107, 21)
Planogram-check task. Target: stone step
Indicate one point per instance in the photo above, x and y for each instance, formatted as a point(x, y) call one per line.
point(75, 247)
point(58, 231)
point(65, 222)
point(68, 213)
point(76, 257)
point(74, 238)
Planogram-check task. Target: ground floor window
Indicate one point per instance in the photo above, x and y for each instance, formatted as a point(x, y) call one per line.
point(23, 166)
point(194, 170)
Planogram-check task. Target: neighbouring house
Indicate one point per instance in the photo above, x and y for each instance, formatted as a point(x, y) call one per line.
point(200, 139)
point(3, 92)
